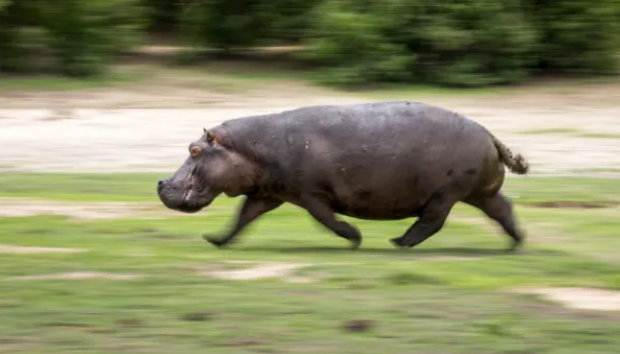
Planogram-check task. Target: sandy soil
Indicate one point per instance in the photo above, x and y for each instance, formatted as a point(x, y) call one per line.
point(580, 298)
point(13, 249)
point(273, 270)
point(147, 128)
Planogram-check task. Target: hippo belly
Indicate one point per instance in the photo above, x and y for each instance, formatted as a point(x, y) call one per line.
point(375, 208)
point(392, 192)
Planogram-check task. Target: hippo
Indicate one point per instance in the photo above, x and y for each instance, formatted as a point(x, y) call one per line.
point(387, 160)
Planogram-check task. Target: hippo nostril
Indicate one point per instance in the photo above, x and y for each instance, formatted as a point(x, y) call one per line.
point(160, 183)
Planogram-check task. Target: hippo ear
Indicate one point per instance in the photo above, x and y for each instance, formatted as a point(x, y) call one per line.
point(208, 136)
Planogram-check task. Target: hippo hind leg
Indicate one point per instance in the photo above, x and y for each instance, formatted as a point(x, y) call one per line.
point(499, 208)
point(324, 214)
point(431, 220)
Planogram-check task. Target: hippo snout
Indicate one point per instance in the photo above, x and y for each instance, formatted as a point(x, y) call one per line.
point(160, 185)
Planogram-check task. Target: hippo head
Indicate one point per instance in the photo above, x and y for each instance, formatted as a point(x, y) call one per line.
point(212, 168)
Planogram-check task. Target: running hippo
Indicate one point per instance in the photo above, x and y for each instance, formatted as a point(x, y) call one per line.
point(374, 161)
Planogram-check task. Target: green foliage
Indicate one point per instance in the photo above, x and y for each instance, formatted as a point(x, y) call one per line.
point(13, 44)
point(469, 42)
point(232, 24)
point(464, 42)
point(227, 24)
point(293, 19)
point(351, 44)
point(578, 36)
point(455, 43)
point(85, 34)
point(163, 15)
point(81, 35)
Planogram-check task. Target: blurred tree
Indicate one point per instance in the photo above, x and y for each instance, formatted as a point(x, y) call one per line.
point(84, 34)
point(13, 47)
point(351, 44)
point(460, 42)
point(577, 36)
point(163, 15)
point(464, 42)
point(230, 24)
point(293, 19)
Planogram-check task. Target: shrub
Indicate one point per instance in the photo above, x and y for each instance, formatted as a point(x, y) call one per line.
point(163, 15)
point(466, 42)
point(226, 24)
point(85, 34)
point(13, 44)
point(233, 24)
point(352, 46)
point(577, 36)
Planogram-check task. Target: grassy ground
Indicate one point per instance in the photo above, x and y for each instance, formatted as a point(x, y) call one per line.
point(449, 295)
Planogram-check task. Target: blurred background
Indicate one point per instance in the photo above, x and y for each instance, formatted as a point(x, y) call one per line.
point(99, 99)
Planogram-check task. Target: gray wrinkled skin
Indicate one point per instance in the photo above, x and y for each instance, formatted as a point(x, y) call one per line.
point(375, 161)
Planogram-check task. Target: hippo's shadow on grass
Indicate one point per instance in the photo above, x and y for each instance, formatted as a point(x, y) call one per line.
point(437, 252)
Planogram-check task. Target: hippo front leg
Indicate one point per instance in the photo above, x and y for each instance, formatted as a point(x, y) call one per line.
point(252, 208)
point(324, 214)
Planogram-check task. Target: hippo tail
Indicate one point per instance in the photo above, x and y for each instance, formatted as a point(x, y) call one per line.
point(515, 163)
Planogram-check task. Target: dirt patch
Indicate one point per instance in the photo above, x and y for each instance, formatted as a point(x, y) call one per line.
point(59, 114)
point(358, 325)
point(197, 316)
point(579, 298)
point(240, 343)
point(272, 270)
point(14, 207)
point(575, 205)
point(252, 270)
point(79, 276)
point(34, 250)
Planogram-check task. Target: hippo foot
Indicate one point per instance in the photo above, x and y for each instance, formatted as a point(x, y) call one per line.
point(355, 244)
point(219, 243)
point(399, 242)
point(404, 242)
point(515, 247)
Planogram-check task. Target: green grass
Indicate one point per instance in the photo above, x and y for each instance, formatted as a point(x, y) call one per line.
point(49, 82)
point(76, 187)
point(141, 187)
point(450, 294)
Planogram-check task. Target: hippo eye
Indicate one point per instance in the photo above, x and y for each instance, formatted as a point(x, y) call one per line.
point(195, 150)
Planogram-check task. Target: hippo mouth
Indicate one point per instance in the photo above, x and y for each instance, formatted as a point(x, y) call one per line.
point(188, 197)
point(194, 201)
